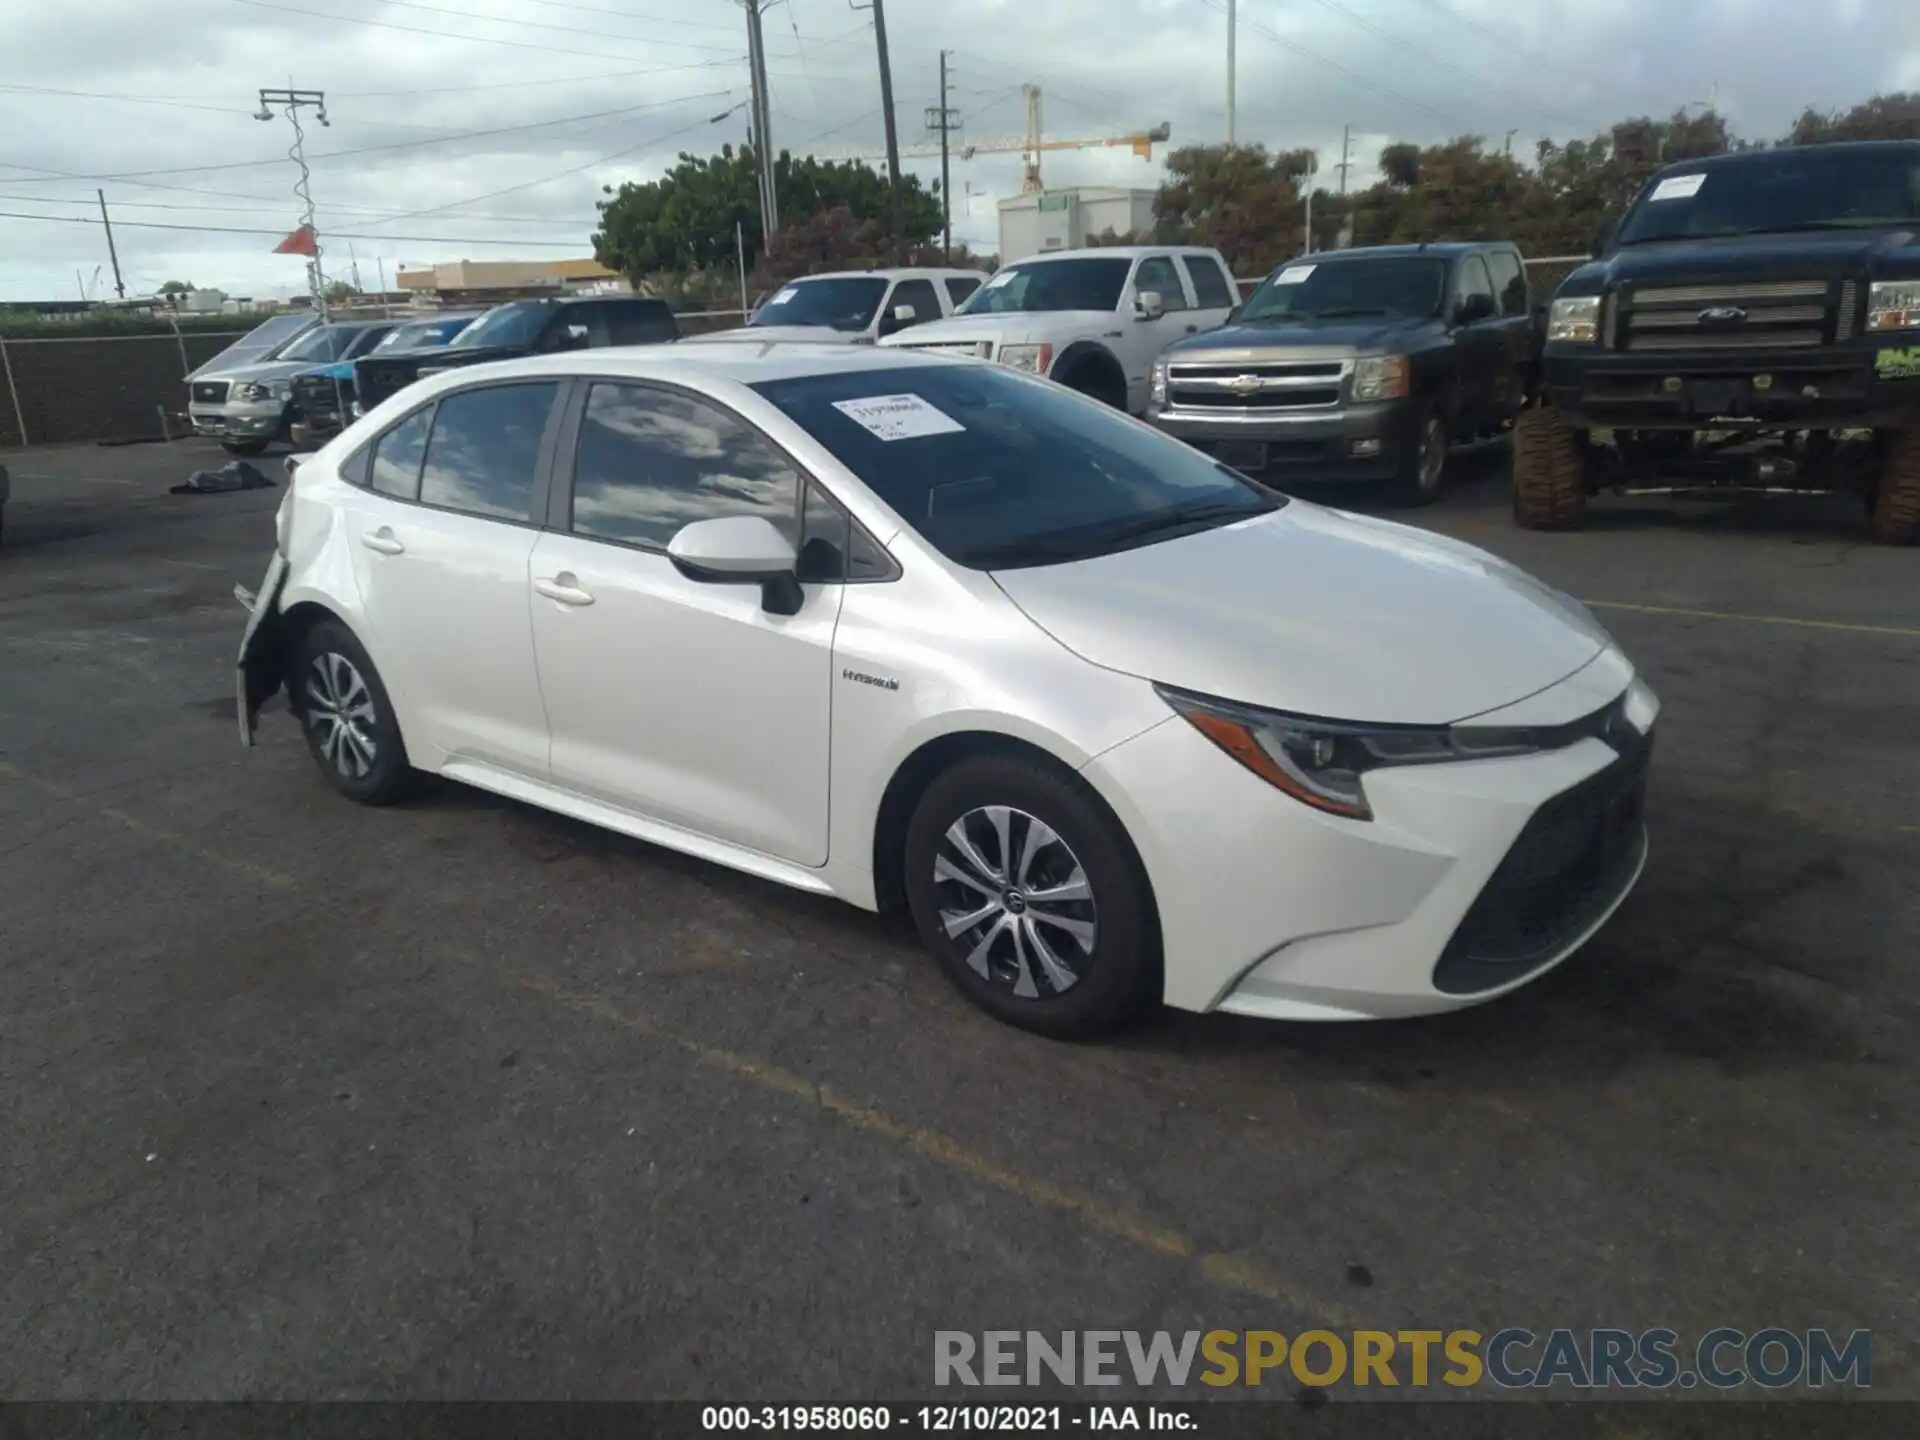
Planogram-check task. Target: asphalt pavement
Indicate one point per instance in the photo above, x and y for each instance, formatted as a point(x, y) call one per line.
point(463, 1100)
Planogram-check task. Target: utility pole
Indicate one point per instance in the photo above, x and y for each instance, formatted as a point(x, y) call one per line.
point(1233, 24)
point(292, 103)
point(1508, 149)
point(893, 135)
point(945, 121)
point(112, 254)
point(1346, 142)
point(761, 123)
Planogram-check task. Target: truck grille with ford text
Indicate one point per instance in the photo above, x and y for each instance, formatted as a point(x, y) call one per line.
point(1731, 316)
point(210, 392)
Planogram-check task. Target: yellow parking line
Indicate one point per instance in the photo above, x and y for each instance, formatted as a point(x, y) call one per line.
point(151, 832)
point(1222, 1270)
point(1903, 630)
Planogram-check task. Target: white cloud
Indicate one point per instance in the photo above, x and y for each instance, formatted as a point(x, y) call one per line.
point(1413, 69)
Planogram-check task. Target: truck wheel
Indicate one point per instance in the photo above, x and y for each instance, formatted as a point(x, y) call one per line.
point(1423, 463)
point(1549, 472)
point(1896, 508)
point(1096, 381)
point(245, 447)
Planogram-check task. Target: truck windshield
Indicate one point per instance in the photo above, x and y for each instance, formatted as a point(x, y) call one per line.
point(321, 343)
point(1035, 285)
point(840, 304)
point(1401, 287)
point(515, 324)
point(422, 333)
point(1779, 190)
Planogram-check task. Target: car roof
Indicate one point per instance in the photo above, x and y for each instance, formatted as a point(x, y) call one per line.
point(741, 362)
point(900, 272)
point(1118, 252)
point(1444, 249)
point(1838, 147)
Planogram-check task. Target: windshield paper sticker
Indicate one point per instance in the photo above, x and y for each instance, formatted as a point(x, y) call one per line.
point(782, 298)
point(898, 417)
point(1678, 187)
point(997, 281)
point(1293, 274)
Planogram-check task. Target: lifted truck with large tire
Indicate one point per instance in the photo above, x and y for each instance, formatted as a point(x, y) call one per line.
point(1752, 323)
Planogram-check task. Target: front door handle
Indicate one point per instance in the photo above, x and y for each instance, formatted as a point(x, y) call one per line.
point(1193, 329)
point(564, 588)
point(384, 541)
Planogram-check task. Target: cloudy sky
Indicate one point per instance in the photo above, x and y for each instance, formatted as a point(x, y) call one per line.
point(485, 128)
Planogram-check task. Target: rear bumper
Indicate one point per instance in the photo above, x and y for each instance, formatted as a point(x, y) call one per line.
point(1837, 387)
point(1354, 442)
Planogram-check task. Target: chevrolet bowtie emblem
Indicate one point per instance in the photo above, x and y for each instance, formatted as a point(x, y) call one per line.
point(1245, 384)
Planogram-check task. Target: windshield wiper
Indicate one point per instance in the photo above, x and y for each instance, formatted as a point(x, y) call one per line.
point(1347, 311)
point(1166, 521)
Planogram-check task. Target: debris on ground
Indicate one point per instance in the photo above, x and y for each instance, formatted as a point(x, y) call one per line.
point(234, 475)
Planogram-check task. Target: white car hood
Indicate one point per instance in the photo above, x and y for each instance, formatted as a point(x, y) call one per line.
point(1011, 328)
point(1320, 613)
point(818, 334)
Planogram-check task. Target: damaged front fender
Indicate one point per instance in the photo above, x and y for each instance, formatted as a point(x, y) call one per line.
point(262, 662)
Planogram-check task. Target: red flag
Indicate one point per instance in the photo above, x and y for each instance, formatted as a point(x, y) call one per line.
point(300, 242)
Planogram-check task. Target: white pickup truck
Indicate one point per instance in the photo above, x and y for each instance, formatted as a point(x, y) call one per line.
point(853, 307)
point(1092, 320)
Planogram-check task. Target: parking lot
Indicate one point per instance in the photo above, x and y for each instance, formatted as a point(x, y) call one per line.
point(464, 1100)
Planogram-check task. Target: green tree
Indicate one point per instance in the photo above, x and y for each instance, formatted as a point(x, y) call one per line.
point(1238, 198)
point(1884, 117)
point(176, 287)
point(685, 220)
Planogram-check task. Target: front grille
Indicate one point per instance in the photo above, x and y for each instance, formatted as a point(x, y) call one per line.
point(1312, 370)
point(1754, 315)
point(979, 349)
point(317, 396)
point(1848, 317)
point(1258, 402)
point(210, 392)
point(1567, 866)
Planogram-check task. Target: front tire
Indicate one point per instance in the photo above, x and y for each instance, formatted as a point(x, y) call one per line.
point(347, 716)
point(1896, 504)
point(245, 447)
point(1549, 471)
point(1423, 464)
point(1028, 893)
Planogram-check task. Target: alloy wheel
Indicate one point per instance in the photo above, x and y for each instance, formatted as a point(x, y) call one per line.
point(1013, 893)
point(341, 710)
point(1433, 454)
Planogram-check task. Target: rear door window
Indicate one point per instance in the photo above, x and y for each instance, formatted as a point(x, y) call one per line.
point(960, 287)
point(1211, 290)
point(485, 449)
point(1509, 281)
point(397, 456)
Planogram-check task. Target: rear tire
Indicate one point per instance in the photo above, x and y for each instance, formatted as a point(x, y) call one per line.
point(245, 447)
point(1549, 471)
point(347, 716)
point(1031, 898)
point(1896, 506)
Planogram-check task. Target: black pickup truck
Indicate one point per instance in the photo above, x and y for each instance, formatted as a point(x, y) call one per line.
point(523, 327)
point(1362, 364)
point(1752, 322)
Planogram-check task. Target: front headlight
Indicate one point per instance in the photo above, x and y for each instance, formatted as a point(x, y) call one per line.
point(1320, 762)
point(1575, 318)
point(1381, 377)
point(1158, 389)
point(249, 392)
point(1893, 305)
point(1034, 359)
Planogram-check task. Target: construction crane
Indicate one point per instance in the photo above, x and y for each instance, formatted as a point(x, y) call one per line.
point(1030, 147)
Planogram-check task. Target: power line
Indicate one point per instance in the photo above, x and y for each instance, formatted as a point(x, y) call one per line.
point(176, 104)
point(1219, 7)
point(280, 233)
point(398, 144)
point(521, 84)
point(332, 209)
point(468, 15)
point(1424, 51)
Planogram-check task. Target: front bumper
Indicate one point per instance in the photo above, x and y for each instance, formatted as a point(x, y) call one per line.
point(1832, 387)
point(235, 421)
point(1471, 880)
point(1352, 442)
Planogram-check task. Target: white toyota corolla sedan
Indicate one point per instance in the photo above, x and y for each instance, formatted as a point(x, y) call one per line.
point(1115, 723)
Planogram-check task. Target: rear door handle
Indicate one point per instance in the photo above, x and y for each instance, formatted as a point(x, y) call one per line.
point(1193, 329)
point(383, 540)
point(564, 588)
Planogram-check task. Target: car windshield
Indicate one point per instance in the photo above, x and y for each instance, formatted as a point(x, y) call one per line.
point(515, 324)
point(1000, 471)
point(842, 303)
point(1403, 287)
point(422, 333)
point(324, 343)
point(1036, 285)
point(1779, 190)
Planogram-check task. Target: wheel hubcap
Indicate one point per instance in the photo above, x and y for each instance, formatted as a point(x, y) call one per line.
point(340, 709)
point(1014, 894)
point(1433, 454)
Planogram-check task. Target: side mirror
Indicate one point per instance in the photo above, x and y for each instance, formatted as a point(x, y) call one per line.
point(1147, 305)
point(1474, 309)
point(574, 337)
point(740, 550)
point(898, 318)
point(1603, 236)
